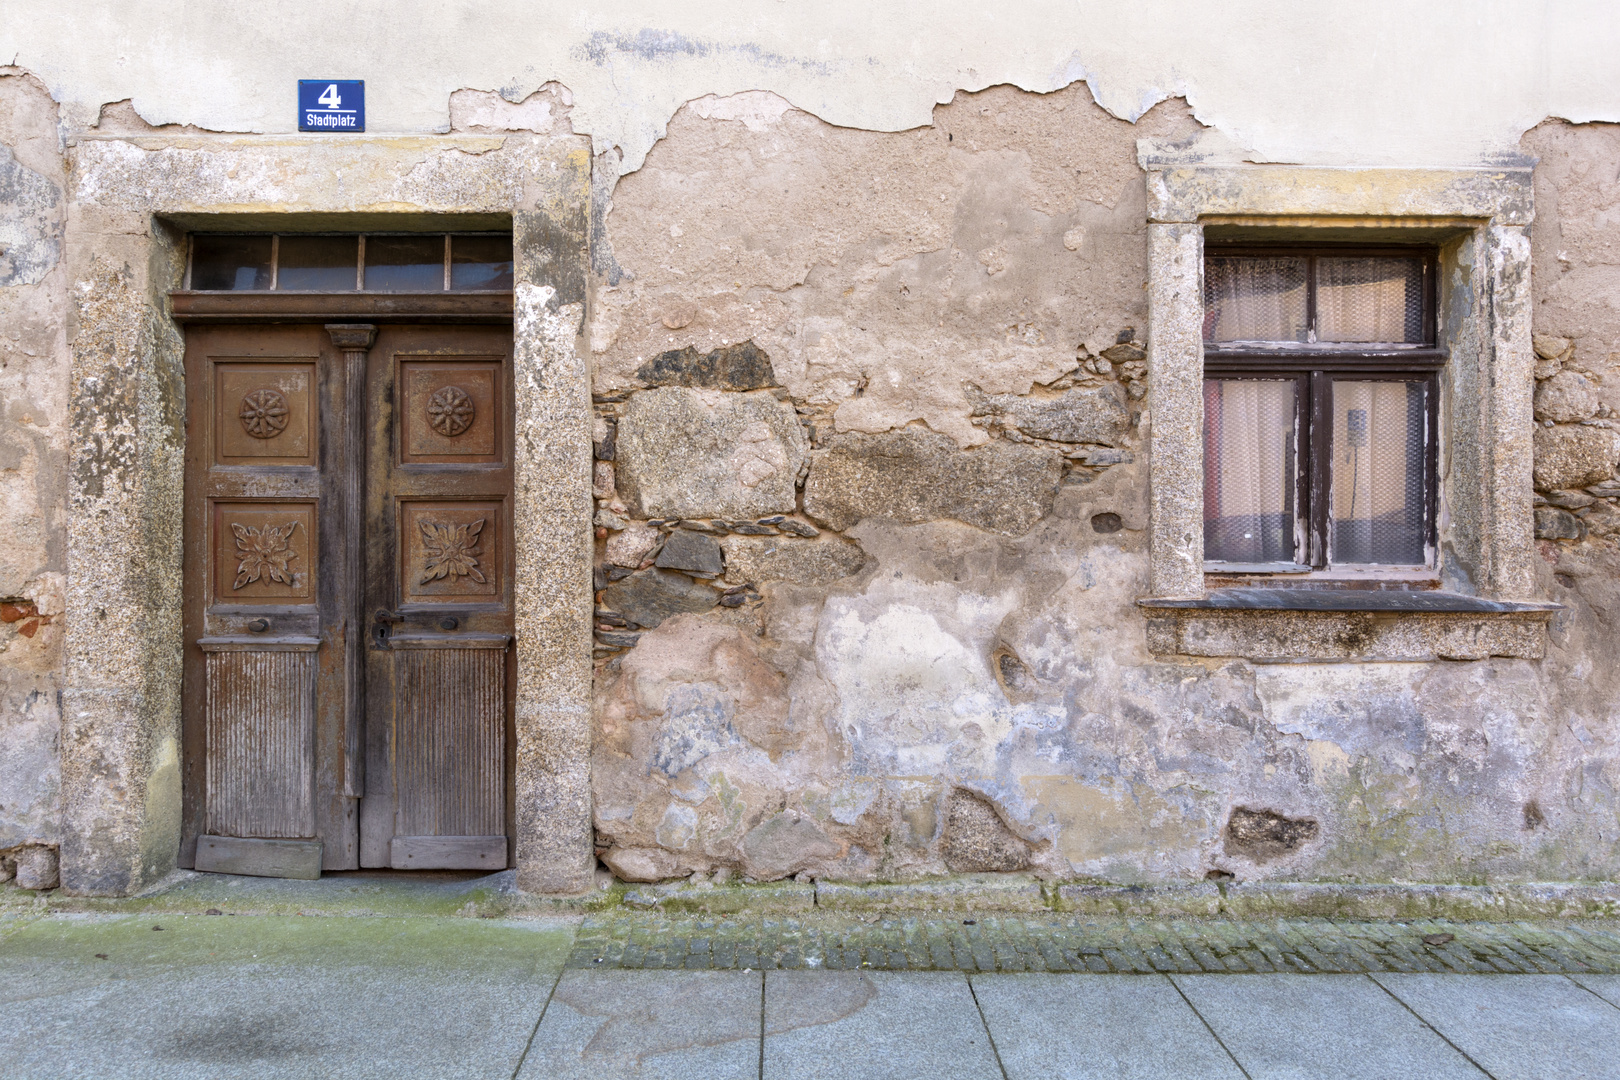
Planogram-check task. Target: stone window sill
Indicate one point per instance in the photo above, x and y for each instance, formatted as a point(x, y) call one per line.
point(1304, 625)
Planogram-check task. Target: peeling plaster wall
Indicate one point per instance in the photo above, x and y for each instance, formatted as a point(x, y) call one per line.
point(974, 690)
point(33, 460)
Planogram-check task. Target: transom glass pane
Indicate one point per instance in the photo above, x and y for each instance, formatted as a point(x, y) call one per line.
point(1255, 299)
point(318, 263)
point(405, 263)
point(1379, 471)
point(1366, 299)
point(481, 262)
point(1249, 455)
point(230, 262)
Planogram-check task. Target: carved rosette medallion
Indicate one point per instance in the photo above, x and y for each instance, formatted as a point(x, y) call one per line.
point(451, 411)
point(264, 413)
point(451, 551)
point(265, 552)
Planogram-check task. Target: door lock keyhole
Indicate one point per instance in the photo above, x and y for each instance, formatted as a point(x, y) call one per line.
point(380, 631)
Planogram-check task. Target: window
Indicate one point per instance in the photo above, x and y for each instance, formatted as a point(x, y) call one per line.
point(1321, 387)
point(378, 262)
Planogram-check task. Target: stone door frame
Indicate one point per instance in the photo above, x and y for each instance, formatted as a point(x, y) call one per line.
point(132, 201)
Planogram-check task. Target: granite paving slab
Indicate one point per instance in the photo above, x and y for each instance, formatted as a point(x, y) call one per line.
point(878, 1025)
point(1341, 1026)
point(1519, 1027)
point(1080, 1027)
point(177, 997)
point(650, 1025)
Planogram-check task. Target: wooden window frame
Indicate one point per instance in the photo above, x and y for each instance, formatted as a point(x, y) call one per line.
point(1314, 367)
point(447, 238)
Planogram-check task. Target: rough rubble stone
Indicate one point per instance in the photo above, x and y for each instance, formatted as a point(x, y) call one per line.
point(686, 453)
point(602, 480)
point(782, 845)
point(976, 840)
point(915, 475)
point(690, 551)
point(617, 639)
point(631, 545)
point(755, 559)
point(1548, 347)
point(1574, 456)
point(1555, 524)
point(651, 596)
point(1082, 415)
point(1263, 835)
point(745, 366)
point(37, 867)
point(1568, 397)
point(642, 864)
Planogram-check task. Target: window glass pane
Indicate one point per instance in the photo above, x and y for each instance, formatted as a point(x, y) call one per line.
point(405, 263)
point(230, 262)
point(318, 263)
point(1380, 465)
point(1369, 299)
point(1249, 470)
point(1254, 299)
point(480, 262)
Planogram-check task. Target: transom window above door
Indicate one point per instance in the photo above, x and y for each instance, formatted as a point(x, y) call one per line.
point(1320, 410)
point(369, 262)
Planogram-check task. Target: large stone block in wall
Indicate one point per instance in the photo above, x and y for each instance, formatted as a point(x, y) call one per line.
point(1093, 414)
point(915, 475)
point(693, 453)
point(1574, 456)
point(755, 560)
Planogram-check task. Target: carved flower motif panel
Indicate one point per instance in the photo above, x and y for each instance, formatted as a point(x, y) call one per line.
point(451, 551)
point(263, 552)
point(264, 413)
point(451, 411)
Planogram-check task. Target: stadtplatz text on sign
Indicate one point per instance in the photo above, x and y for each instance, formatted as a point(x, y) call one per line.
point(331, 105)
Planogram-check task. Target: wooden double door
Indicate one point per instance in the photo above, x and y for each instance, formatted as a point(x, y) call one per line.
point(348, 598)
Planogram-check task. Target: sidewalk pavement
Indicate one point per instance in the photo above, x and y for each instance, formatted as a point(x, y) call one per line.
point(219, 996)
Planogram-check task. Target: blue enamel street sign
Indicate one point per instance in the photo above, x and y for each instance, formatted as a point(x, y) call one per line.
point(331, 105)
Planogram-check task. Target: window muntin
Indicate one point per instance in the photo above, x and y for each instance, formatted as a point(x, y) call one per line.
point(375, 262)
point(1320, 410)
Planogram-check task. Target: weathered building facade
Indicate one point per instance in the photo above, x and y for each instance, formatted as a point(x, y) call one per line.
point(861, 468)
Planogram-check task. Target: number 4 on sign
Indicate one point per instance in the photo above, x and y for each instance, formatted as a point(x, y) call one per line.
point(329, 97)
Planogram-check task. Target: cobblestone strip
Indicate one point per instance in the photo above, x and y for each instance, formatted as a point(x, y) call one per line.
point(1061, 943)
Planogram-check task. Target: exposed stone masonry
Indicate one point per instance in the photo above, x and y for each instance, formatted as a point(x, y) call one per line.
point(1577, 447)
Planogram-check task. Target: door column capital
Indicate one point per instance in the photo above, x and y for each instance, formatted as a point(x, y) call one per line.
point(352, 337)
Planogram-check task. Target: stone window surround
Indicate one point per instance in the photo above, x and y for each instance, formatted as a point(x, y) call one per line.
point(1479, 218)
point(132, 200)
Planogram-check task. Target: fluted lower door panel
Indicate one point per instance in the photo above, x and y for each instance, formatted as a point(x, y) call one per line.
point(261, 739)
point(450, 744)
